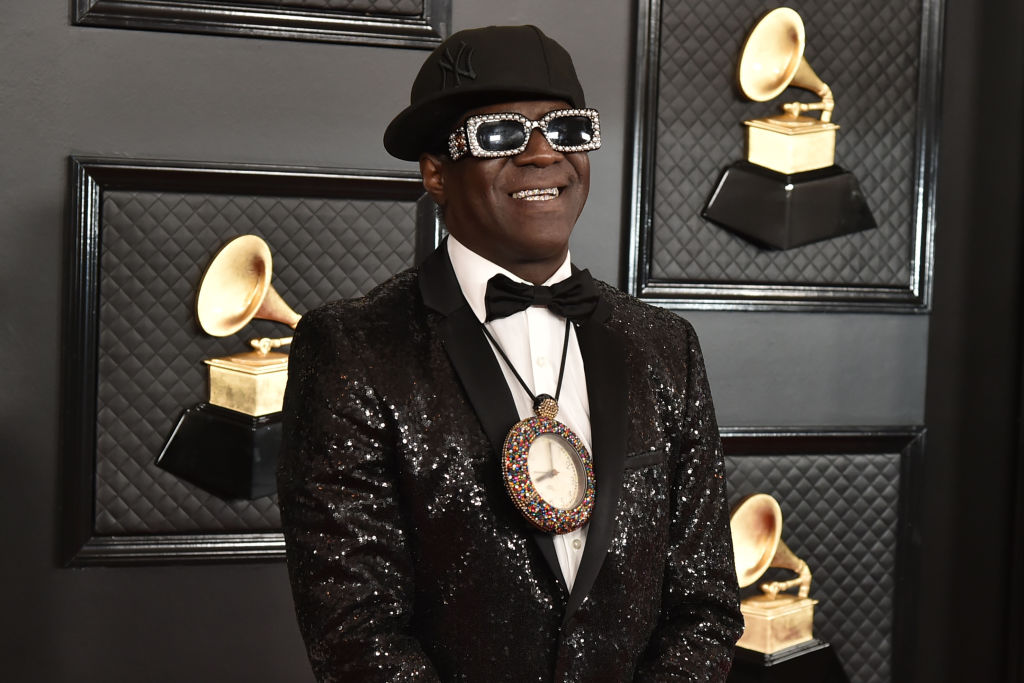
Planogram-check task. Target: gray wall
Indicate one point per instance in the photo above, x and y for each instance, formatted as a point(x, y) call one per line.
point(73, 90)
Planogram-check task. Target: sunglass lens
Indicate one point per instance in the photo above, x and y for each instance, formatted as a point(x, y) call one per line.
point(500, 136)
point(571, 131)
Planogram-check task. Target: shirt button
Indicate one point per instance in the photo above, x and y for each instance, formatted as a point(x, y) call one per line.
point(577, 544)
point(542, 361)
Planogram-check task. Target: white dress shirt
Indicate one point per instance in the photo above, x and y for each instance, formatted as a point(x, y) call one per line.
point(532, 340)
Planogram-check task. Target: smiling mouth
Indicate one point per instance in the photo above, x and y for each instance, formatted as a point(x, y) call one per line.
point(537, 195)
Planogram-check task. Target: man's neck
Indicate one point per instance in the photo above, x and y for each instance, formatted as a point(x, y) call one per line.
point(473, 270)
point(536, 273)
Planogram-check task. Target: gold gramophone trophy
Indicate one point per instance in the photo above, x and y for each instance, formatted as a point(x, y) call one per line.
point(778, 641)
point(235, 289)
point(788, 192)
point(229, 444)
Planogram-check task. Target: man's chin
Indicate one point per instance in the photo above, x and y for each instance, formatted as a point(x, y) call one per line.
point(547, 248)
point(551, 216)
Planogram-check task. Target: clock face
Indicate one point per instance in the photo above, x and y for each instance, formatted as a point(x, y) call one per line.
point(556, 471)
point(549, 474)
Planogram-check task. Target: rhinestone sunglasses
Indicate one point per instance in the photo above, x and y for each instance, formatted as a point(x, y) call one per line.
point(486, 136)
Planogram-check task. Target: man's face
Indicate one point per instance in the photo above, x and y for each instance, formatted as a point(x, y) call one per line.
point(484, 200)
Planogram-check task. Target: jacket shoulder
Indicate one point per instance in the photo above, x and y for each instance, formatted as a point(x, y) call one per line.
point(384, 303)
point(382, 319)
point(638, 319)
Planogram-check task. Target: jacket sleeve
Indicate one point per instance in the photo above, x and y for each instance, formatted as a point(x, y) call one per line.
point(700, 619)
point(347, 545)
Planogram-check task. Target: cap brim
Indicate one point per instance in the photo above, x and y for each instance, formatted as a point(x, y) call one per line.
point(425, 126)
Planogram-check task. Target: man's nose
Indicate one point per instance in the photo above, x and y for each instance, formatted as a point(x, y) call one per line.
point(538, 152)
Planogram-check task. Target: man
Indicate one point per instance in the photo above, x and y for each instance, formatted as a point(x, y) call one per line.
point(411, 552)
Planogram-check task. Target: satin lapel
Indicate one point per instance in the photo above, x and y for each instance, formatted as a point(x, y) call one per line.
point(604, 358)
point(546, 543)
point(467, 348)
point(480, 374)
point(476, 366)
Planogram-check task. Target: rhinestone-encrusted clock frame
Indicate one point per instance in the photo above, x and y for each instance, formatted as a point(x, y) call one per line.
point(521, 489)
point(464, 140)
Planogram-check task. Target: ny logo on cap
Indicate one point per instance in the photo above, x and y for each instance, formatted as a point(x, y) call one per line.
point(459, 67)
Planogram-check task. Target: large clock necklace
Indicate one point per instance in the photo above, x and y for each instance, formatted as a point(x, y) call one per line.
point(548, 472)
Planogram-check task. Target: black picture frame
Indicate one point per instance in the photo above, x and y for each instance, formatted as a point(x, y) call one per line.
point(907, 444)
point(261, 20)
point(756, 293)
point(89, 179)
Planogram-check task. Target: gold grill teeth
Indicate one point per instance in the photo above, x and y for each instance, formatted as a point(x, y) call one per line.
point(537, 194)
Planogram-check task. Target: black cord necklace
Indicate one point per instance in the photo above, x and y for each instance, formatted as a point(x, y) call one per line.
point(548, 472)
point(538, 401)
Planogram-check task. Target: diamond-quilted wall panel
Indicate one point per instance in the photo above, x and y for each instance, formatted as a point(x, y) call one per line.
point(868, 53)
point(154, 249)
point(397, 7)
point(840, 515)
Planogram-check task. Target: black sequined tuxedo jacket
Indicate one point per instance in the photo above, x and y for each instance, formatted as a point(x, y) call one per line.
point(409, 562)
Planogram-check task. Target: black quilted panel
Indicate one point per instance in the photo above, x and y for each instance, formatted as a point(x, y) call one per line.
point(868, 53)
point(840, 515)
point(154, 248)
point(398, 7)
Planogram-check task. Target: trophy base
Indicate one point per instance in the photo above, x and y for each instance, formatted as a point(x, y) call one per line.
point(814, 660)
point(791, 144)
point(774, 624)
point(229, 454)
point(251, 383)
point(779, 211)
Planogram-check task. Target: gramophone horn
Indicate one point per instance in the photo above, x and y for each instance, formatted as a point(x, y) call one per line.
point(236, 288)
point(756, 525)
point(773, 59)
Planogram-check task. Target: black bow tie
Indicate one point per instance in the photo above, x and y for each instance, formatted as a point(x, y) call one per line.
point(574, 298)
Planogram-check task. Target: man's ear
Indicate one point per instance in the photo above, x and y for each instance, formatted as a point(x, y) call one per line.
point(432, 170)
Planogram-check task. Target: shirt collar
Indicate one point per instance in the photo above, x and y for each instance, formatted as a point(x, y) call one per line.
point(473, 271)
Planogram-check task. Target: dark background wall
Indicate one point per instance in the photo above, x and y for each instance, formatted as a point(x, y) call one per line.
point(971, 626)
point(73, 90)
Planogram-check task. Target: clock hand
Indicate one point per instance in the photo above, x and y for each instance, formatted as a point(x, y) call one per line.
point(547, 475)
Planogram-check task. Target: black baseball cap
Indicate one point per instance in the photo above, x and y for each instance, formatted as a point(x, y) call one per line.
point(474, 68)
